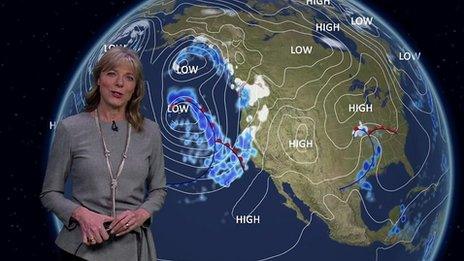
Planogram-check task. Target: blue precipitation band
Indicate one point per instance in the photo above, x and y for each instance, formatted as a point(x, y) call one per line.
point(366, 167)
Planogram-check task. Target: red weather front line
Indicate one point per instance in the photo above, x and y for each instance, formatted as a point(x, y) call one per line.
point(233, 149)
point(377, 128)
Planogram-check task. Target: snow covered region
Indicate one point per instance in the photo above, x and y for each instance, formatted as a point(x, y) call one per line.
point(249, 94)
point(255, 91)
point(360, 130)
point(262, 114)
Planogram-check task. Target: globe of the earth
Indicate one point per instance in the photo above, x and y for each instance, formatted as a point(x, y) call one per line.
point(292, 130)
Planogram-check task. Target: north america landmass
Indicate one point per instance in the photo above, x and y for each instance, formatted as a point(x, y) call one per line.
point(306, 97)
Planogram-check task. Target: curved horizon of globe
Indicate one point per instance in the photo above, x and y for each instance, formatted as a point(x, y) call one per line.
point(277, 84)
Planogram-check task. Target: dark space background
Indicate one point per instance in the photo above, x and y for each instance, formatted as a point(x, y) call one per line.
point(43, 42)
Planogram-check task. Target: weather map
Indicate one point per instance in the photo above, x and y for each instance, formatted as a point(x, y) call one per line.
point(291, 130)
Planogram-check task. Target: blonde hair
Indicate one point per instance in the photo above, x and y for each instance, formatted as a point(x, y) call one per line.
point(108, 61)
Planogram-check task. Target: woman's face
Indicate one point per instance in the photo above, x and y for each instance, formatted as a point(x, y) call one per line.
point(117, 85)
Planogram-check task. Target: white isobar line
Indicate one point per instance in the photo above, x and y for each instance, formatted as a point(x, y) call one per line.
point(353, 191)
point(344, 201)
point(436, 184)
point(321, 88)
point(227, 51)
point(428, 137)
point(374, 51)
point(418, 91)
point(246, 191)
point(201, 192)
point(428, 150)
point(261, 58)
point(151, 102)
point(196, 193)
point(313, 136)
point(424, 160)
point(224, 44)
point(367, 211)
point(415, 232)
point(354, 95)
point(166, 259)
point(270, 31)
point(367, 40)
point(300, 236)
point(347, 13)
point(265, 28)
point(249, 186)
point(265, 149)
point(336, 85)
point(324, 180)
point(294, 245)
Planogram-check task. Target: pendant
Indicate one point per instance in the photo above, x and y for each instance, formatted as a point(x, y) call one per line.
point(114, 183)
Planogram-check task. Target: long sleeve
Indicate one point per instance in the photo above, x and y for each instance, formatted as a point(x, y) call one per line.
point(58, 168)
point(156, 179)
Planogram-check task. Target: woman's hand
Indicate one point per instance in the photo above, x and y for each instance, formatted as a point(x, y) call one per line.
point(91, 223)
point(128, 221)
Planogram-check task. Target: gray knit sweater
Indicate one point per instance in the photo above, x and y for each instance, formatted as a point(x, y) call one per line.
point(77, 154)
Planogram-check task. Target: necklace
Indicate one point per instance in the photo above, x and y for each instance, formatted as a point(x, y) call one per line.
point(114, 179)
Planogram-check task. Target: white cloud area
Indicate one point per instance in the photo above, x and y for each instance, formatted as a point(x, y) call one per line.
point(136, 28)
point(249, 118)
point(262, 117)
point(175, 66)
point(333, 43)
point(200, 39)
point(229, 12)
point(230, 67)
point(210, 11)
point(259, 89)
point(391, 58)
point(262, 114)
point(361, 131)
point(252, 130)
point(213, 11)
